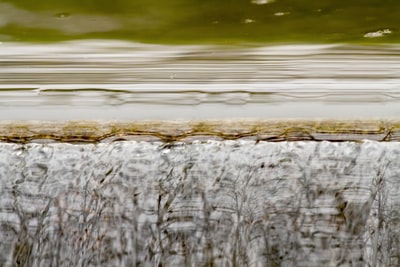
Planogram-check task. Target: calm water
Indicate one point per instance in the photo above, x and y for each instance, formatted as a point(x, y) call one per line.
point(193, 21)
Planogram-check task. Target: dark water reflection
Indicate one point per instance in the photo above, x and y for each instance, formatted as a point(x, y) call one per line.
point(214, 203)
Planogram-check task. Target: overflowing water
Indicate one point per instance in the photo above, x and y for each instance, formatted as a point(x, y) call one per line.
point(110, 80)
point(210, 203)
point(198, 202)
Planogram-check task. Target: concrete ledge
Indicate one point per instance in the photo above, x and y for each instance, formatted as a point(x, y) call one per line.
point(170, 131)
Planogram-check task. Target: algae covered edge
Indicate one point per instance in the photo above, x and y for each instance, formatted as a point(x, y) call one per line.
point(171, 131)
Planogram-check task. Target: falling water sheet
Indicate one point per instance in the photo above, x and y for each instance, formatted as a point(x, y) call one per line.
point(219, 203)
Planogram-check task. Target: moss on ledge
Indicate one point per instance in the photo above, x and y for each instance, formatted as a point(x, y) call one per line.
point(170, 131)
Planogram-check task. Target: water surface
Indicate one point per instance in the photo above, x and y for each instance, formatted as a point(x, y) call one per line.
point(111, 80)
point(192, 21)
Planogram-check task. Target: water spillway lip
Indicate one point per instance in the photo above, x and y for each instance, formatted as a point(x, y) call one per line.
point(187, 131)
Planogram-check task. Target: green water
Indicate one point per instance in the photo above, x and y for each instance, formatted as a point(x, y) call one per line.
point(206, 21)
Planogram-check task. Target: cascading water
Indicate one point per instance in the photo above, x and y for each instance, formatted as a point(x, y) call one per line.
point(200, 203)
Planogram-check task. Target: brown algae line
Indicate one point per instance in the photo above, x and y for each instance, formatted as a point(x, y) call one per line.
point(171, 131)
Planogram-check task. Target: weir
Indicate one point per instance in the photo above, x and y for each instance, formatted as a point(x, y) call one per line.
point(198, 199)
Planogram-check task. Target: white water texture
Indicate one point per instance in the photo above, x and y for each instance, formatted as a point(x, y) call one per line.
point(213, 203)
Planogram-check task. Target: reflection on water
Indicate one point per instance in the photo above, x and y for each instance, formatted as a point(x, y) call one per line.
point(214, 203)
point(122, 80)
point(191, 21)
point(76, 24)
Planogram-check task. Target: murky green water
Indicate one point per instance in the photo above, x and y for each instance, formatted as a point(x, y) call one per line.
point(193, 21)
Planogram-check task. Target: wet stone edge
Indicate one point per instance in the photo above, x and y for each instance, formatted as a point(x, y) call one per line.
point(188, 131)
